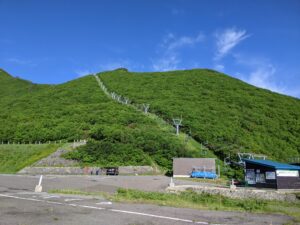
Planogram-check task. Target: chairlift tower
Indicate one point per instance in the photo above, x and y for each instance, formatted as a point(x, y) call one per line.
point(146, 108)
point(177, 123)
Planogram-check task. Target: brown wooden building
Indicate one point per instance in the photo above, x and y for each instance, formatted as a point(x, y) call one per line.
point(270, 174)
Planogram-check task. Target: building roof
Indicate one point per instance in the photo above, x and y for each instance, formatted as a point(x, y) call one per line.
point(272, 164)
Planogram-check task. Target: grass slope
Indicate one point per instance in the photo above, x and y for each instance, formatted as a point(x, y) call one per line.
point(14, 157)
point(224, 113)
point(78, 109)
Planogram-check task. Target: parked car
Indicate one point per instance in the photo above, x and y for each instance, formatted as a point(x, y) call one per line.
point(112, 171)
point(238, 183)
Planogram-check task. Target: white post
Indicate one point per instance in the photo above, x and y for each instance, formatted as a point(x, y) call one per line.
point(39, 188)
point(232, 186)
point(171, 184)
point(40, 181)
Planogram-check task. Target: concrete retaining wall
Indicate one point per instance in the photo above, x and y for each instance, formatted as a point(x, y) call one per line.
point(86, 170)
point(52, 170)
point(239, 193)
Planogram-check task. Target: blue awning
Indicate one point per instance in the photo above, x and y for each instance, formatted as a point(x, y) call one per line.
point(272, 164)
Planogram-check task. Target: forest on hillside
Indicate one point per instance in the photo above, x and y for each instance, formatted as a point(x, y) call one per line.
point(222, 113)
point(225, 114)
point(118, 135)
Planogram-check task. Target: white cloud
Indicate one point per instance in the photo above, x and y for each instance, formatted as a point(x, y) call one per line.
point(22, 62)
point(177, 12)
point(227, 40)
point(115, 64)
point(168, 62)
point(81, 73)
point(263, 77)
point(264, 74)
point(219, 67)
point(170, 50)
point(171, 42)
point(109, 64)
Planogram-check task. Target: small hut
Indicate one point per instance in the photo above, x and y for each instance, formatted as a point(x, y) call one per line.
point(270, 174)
point(183, 167)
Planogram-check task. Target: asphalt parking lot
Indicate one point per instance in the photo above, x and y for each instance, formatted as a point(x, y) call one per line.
point(20, 205)
point(87, 183)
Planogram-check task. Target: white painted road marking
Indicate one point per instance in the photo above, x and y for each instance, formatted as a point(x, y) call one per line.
point(104, 203)
point(152, 215)
point(72, 199)
point(112, 210)
point(51, 196)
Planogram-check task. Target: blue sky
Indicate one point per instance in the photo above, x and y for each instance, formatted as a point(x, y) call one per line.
point(53, 41)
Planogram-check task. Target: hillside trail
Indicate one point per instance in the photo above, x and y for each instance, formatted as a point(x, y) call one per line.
point(186, 138)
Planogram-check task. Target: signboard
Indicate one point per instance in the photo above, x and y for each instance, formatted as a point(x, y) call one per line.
point(270, 176)
point(250, 176)
point(260, 178)
point(287, 173)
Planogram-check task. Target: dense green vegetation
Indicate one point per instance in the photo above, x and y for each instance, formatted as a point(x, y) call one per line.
point(14, 157)
point(225, 114)
point(78, 109)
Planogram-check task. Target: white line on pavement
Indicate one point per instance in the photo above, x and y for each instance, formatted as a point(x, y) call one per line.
point(151, 215)
point(112, 210)
point(51, 196)
point(72, 199)
point(104, 203)
point(57, 203)
point(90, 207)
point(73, 205)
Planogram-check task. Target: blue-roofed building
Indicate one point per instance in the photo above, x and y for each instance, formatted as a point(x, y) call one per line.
point(270, 174)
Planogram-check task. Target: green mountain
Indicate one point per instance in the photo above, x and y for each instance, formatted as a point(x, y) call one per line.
point(225, 114)
point(120, 135)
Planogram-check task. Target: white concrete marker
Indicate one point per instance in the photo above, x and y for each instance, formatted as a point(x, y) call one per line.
point(171, 184)
point(39, 188)
point(232, 186)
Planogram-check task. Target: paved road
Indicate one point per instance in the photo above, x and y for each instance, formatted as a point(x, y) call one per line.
point(20, 205)
point(88, 183)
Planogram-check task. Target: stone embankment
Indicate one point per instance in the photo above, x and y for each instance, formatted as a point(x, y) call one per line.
point(56, 164)
point(238, 193)
point(56, 160)
point(86, 170)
